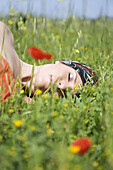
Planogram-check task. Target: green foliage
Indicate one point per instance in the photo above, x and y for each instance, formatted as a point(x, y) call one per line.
point(38, 135)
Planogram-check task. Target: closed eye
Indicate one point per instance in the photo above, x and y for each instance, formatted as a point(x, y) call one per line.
point(70, 76)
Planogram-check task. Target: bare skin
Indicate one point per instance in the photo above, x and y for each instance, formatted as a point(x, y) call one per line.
point(44, 75)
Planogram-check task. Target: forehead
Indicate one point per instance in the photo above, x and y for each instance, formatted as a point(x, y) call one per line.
point(57, 67)
point(64, 67)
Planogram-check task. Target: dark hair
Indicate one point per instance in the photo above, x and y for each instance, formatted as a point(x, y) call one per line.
point(86, 73)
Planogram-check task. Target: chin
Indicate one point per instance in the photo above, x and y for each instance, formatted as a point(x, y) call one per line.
point(44, 88)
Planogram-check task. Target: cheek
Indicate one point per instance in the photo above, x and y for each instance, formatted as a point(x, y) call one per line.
point(78, 80)
point(42, 82)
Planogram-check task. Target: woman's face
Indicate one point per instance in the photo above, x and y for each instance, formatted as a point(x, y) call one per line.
point(66, 76)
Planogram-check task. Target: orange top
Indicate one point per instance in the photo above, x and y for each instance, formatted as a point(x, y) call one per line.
point(6, 80)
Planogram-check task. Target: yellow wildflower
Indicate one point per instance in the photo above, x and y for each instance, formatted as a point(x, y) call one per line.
point(11, 153)
point(100, 168)
point(22, 138)
point(41, 62)
point(77, 167)
point(72, 31)
point(26, 155)
point(48, 24)
point(93, 149)
point(46, 96)
point(38, 167)
point(56, 97)
point(38, 91)
point(72, 120)
point(11, 101)
point(23, 119)
point(13, 148)
point(10, 22)
point(94, 146)
point(12, 9)
point(74, 137)
point(17, 83)
point(94, 98)
point(17, 123)
point(32, 128)
point(85, 107)
point(70, 156)
point(20, 23)
point(61, 117)
point(65, 105)
point(112, 156)
point(24, 28)
point(72, 101)
point(49, 131)
point(93, 89)
point(86, 48)
point(54, 113)
point(79, 58)
point(57, 36)
point(59, 0)
point(11, 111)
point(76, 51)
point(95, 164)
point(22, 91)
point(74, 149)
point(11, 14)
point(82, 47)
point(106, 152)
point(42, 34)
point(47, 126)
point(111, 88)
point(76, 87)
point(1, 138)
point(91, 55)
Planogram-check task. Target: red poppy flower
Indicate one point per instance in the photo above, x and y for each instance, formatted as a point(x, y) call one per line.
point(39, 54)
point(81, 146)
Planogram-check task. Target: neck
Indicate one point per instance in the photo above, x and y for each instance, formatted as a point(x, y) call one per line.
point(7, 50)
point(26, 69)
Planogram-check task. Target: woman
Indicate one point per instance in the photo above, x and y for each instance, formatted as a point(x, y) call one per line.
point(65, 74)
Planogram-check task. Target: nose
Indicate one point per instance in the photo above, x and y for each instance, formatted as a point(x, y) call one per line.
point(61, 85)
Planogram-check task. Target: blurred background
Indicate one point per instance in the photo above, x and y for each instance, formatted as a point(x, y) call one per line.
point(60, 9)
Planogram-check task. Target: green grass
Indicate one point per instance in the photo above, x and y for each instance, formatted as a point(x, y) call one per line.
point(50, 125)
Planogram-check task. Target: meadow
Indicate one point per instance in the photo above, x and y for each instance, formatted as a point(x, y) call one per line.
point(38, 135)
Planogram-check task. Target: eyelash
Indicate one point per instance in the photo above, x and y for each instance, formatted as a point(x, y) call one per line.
point(69, 77)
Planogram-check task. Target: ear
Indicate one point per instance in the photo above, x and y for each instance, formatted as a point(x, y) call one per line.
point(26, 81)
point(57, 62)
